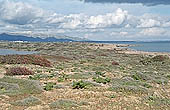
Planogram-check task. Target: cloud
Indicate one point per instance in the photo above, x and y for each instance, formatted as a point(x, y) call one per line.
point(144, 2)
point(121, 33)
point(166, 24)
point(147, 23)
point(28, 19)
point(117, 18)
point(153, 32)
point(18, 12)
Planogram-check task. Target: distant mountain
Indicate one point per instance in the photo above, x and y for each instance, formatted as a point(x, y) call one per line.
point(10, 37)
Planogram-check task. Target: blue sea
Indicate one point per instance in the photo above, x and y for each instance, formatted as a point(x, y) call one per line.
point(151, 46)
point(12, 52)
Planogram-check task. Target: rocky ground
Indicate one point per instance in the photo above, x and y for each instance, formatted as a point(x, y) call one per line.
point(87, 76)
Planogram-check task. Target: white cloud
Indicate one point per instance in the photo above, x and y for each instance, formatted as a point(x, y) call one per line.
point(116, 18)
point(148, 23)
point(19, 12)
point(23, 17)
point(153, 32)
point(121, 33)
point(166, 24)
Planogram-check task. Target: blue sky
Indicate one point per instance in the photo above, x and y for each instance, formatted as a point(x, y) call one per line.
point(101, 20)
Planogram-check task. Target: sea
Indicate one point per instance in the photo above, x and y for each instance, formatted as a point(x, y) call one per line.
point(147, 46)
point(13, 52)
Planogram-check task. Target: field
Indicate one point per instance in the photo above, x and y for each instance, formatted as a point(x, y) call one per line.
point(83, 76)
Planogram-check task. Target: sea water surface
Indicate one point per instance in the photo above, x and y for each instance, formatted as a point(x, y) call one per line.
point(151, 46)
point(13, 52)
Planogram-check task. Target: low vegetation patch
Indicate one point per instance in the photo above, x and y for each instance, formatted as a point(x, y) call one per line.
point(79, 76)
point(81, 85)
point(101, 80)
point(63, 77)
point(49, 86)
point(29, 101)
point(63, 104)
point(18, 71)
point(15, 86)
point(43, 76)
point(100, 73)
point(158, 101)
point(158, 58)
point(129, 85)
point(25, 59)
point(115, 63)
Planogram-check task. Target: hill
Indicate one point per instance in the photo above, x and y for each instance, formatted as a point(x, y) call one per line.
point(11, 37)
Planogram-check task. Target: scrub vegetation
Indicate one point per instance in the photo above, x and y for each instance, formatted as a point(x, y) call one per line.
point(83, 76)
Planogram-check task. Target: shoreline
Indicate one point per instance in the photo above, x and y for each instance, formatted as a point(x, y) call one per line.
point(124, 48)
point(120, 48)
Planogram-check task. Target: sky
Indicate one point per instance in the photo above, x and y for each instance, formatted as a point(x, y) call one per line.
point(91, 19)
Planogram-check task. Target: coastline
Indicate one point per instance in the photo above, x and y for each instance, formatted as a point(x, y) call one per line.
point(120, 48)
point(124, 48)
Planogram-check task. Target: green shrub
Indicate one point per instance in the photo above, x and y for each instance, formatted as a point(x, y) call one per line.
point(49, 86)
point(42, 76)
point(81, 85)
point(100, 73)
point(62, 78)
point(37, 77)
point(101, 80)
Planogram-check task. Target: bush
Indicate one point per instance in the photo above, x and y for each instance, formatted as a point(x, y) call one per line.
point(18, 71)
point(42, 76)
point(100, 73)
point(29, 101)
point(101, 80)
point(62, 78)
point(49, 86)
point(159, 58)
point(25, 59)
point(115, 63)
point(63, 103)
point(80, 85)
point(129, 85)
point(22, 86)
